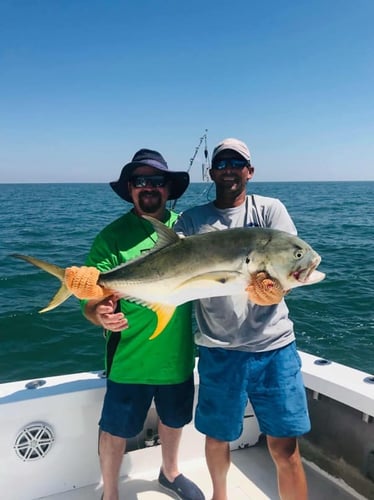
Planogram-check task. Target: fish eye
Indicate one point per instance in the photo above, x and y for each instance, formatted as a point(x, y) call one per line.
point(299, 252)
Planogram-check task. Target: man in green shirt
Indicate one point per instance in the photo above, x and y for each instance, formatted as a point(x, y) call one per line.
point(138, 369)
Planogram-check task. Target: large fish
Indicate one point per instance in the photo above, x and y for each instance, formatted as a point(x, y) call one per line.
point(212, 264)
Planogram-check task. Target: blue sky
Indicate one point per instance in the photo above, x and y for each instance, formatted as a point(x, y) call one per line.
point(84, 84)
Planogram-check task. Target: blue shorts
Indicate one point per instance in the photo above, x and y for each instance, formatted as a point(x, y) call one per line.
point(126, 406)
point(271, 380)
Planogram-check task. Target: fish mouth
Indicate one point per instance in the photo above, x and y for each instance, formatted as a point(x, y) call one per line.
point(309, 275)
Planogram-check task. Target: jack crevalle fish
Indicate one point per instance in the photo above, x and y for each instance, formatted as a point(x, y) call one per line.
point(212, 264)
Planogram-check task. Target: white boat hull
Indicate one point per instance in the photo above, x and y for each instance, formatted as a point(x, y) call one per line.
point(49, 434)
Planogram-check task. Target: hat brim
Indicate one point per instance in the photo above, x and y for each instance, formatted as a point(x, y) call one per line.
point(179, 181)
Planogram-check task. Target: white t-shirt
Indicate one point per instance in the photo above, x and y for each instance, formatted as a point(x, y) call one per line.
point(233, 322)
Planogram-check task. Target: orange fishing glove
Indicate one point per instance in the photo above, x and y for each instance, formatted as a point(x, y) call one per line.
point(82, 282)
point(264, 290)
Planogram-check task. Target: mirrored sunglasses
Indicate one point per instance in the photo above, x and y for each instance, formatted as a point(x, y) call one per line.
point(230, 162)
point(139, 181)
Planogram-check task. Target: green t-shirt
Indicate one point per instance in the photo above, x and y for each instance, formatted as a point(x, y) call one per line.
point(130, 356)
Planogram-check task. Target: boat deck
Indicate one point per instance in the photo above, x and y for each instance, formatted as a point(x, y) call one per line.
point(49, 442)
point(251, 476)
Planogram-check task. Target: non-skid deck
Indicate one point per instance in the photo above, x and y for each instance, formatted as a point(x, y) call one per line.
point(251, 476)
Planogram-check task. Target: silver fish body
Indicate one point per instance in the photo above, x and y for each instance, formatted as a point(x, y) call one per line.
point(215, 263)
point(212, 264)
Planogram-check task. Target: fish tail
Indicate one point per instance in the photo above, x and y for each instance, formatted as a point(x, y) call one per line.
point(63, 293)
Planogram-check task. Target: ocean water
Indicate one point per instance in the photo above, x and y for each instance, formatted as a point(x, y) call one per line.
point(57, 222)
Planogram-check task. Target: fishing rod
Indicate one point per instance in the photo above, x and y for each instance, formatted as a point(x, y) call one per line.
point(205, 166)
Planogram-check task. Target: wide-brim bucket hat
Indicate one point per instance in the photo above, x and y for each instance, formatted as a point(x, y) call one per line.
point(178, 180)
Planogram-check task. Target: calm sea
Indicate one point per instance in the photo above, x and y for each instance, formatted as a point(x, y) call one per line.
point(57, 222)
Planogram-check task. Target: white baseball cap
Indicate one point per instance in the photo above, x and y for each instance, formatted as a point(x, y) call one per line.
point(234, 145)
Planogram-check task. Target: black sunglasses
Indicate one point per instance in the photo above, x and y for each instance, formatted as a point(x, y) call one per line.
point(157, 181)
point(232, 162)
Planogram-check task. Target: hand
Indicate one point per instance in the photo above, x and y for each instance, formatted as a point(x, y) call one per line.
point(105, 315)
point(264, 290)
point(82, 282)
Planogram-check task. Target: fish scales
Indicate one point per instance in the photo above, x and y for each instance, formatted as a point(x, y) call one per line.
point(211, 264)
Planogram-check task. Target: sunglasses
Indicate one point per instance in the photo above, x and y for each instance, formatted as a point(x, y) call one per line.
point(232, 162)
point(140, 181)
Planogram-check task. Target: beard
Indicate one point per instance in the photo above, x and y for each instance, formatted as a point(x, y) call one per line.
point(150, 201)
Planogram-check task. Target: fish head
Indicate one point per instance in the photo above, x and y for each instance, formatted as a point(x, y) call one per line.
point(287, 258)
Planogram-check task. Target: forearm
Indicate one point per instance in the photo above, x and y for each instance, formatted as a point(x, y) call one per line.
point(90, 313)
point(103, 313)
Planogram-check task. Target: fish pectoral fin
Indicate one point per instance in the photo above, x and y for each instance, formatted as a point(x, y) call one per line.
point(216, 276)
point(164, 313)
point(60, 297)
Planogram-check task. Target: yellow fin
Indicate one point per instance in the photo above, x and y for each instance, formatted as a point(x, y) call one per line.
point(63, 293)
point(60, 297)
point(164, 314)
point(56, 271)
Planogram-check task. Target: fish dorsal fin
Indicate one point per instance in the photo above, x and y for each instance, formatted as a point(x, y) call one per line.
point(166, 236)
